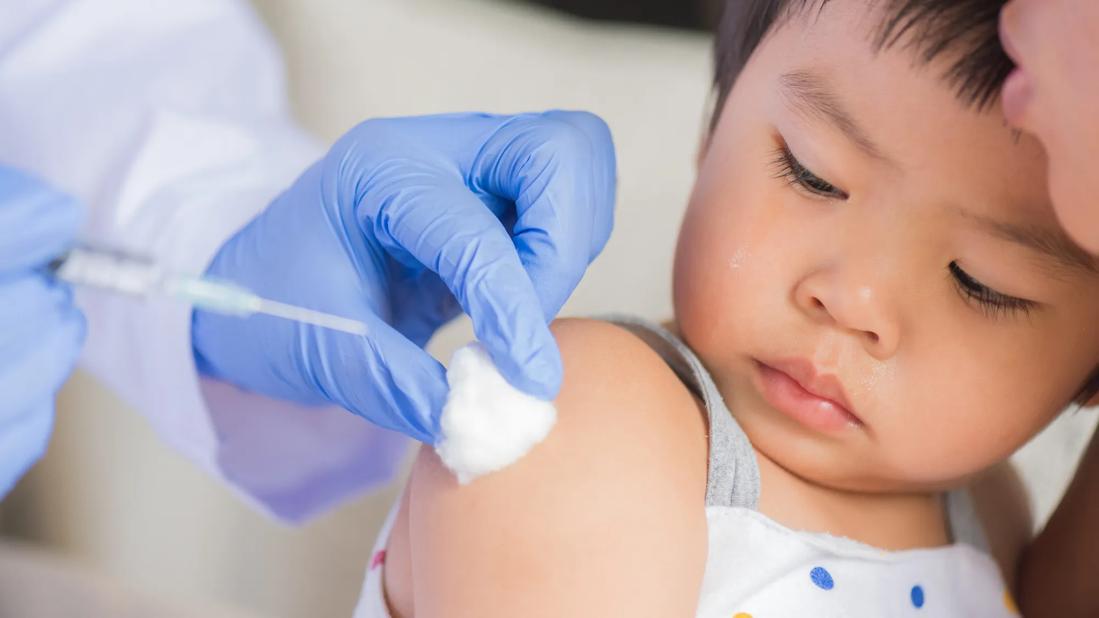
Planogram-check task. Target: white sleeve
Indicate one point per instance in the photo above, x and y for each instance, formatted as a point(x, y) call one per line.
point(170, 120)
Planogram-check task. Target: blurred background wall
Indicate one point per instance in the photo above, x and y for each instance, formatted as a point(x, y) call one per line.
point(123, 514)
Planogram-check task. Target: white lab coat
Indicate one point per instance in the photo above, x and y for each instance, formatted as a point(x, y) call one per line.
point(170, 120)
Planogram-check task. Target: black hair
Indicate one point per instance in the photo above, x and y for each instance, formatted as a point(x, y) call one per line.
point(931, 28)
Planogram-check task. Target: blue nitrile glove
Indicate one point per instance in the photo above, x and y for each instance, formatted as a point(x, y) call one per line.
point(40, 329)
point(401, 217)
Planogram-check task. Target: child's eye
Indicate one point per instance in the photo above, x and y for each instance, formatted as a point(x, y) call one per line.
point(990, 301)
point(789, 168)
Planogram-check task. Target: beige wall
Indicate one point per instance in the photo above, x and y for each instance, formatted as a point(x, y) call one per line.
point(113, 497)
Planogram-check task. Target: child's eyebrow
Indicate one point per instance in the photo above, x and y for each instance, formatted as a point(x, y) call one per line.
point(809, 94)
point(1050, 242)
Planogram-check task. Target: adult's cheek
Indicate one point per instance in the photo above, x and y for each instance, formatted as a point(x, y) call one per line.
point(1077, 206)
point(1066, 121)
point(1054, 98)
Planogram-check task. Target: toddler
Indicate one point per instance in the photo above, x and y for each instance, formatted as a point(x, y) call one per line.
point(874, 307)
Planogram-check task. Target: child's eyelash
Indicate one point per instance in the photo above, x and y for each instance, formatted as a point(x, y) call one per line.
point(993, 303)
point(787, 167)
point(990, 301)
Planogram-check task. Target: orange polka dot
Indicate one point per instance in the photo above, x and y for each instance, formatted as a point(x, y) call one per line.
point(1009, 602)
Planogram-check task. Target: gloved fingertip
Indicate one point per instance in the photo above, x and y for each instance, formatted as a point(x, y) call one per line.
point(435, 434)
point(412, 385)
point(430, 426)
point(557, 274)
point(48, 222)
point(539, 376)
point(73, 319)
point(591, 124)
point(428, 437)
point(55, 212)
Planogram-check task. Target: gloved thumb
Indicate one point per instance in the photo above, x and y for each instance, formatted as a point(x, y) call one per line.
point(39, 221)
point(384, 378)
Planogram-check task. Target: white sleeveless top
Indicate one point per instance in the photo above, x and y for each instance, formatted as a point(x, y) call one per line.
point(757, 568)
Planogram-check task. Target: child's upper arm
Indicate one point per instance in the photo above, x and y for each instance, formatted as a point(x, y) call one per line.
point(606, 517)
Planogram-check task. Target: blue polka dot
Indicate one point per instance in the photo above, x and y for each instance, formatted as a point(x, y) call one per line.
point(822, 578)
point(917, 596)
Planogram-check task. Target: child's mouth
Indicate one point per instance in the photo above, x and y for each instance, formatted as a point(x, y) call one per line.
point(794, 387)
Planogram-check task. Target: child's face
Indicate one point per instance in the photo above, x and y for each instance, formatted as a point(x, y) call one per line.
point(867, 262)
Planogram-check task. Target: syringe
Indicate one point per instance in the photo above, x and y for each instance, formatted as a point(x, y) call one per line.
point(124, 273)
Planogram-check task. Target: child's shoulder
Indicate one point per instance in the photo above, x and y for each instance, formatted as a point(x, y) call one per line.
point(622, 408)
point(619, 396)
point(606, 516)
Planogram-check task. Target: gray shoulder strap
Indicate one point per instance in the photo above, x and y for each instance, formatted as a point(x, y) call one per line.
point(733, 475)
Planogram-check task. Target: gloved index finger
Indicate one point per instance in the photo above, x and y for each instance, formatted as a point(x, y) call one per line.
point(559, 169)
point(39, 222)
point(446, 228)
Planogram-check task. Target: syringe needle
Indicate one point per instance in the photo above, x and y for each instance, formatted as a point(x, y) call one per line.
point(310, 316)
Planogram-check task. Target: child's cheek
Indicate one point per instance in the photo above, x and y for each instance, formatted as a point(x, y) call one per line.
point(717, 276)
point(701, 266)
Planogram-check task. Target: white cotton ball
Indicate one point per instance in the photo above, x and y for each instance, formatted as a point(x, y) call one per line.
point(487, 423)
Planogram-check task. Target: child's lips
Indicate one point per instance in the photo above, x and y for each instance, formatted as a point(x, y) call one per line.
point(817, 401)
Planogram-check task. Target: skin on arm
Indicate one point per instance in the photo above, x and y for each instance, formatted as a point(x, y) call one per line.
point(1057, 575)
point(606, 517)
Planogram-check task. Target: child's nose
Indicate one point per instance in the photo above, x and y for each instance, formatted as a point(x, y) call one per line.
point(856, 305)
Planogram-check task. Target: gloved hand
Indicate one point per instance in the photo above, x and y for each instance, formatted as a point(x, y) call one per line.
point(402, 224)
point(40, 329)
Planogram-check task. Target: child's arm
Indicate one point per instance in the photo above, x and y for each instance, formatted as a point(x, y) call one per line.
point(1057, 575)
point(605, 518)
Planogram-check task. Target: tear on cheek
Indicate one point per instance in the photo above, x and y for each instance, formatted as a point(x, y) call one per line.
point(739, 259)
point(869, 382)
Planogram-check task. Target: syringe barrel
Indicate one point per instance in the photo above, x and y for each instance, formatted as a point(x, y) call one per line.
point(111, 270)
